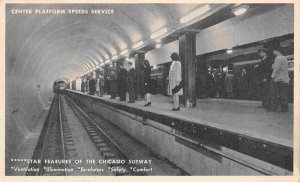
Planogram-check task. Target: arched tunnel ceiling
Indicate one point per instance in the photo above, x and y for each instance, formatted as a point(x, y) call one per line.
point(47, 47)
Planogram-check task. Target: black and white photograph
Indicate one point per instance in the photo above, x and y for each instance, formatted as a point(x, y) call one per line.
point(149, 89)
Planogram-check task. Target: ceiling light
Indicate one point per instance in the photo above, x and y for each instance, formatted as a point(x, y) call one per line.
point(196, 13)
point(159, 33)
point(138, 44)
point(229, 51)
point(158, 45)
point(124, 52)
point(127, 59)
point(240, 10)
point(114, 57)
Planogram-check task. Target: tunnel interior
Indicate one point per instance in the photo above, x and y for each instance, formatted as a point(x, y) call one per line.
point(42, 49)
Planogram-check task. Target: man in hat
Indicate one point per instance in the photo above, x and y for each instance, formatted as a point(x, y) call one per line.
point(174, 80)
point(265, 72)
point(280, 80)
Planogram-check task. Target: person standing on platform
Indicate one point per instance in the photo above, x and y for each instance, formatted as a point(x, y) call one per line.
point(82, 85)
point(92, 85)
point(87, 84)
point(175, 79)
point(279, 80)
point(122, 78)
point(101, 85)
point(229, 84)
point(97, 86)
point(147, 82)
point(265, 72)
point(131, 80)
point(113, 84)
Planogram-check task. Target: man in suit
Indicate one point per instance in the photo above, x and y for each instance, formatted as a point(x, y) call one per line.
point(265, 72)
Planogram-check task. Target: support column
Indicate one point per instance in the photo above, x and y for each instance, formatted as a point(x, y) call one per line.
point(187, 52)
point(140, 87)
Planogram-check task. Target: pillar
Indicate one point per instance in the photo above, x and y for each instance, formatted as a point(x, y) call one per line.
point(140, 87)
point(187, 52)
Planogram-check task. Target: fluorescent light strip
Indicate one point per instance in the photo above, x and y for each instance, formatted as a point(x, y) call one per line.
point(114, 57)
point(124, 52)
point(137, 45)
point(194, 14)
point(159, 33)
point(240, 10)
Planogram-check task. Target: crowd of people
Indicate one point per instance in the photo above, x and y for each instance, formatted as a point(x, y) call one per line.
point(268, 81)
point(271, 81)
point(125, 80)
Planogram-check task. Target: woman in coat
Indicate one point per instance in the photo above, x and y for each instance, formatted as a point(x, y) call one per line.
point(174, 80)
point(147, 82)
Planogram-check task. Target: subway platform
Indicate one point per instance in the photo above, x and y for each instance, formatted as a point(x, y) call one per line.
point(237, 130)
point(239, 116)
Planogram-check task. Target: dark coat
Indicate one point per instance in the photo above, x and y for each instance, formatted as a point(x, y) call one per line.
point(149, 86)
point(113, 83)
point(265, 68)
point(82, 86)
point(92, 85)
point(131, 77)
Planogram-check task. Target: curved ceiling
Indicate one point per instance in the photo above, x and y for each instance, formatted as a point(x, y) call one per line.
point(47, 47)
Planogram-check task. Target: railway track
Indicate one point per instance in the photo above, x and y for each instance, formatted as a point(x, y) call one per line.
point(55, 146)
point(56, 149)
point(103, 142)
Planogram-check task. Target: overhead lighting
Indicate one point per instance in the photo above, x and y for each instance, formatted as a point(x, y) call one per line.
point(137, 45)
point(107, 61)
point(158, 45)
point(229, 51)
point(159, 33)
point(240, 10)
point(114, 57)
point(194, 14)
point(124, 52)
point(127, 59)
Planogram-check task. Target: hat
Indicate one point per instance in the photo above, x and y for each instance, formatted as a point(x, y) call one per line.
point(175, 56)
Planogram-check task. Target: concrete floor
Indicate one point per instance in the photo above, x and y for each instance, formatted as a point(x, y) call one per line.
point(242, 117)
